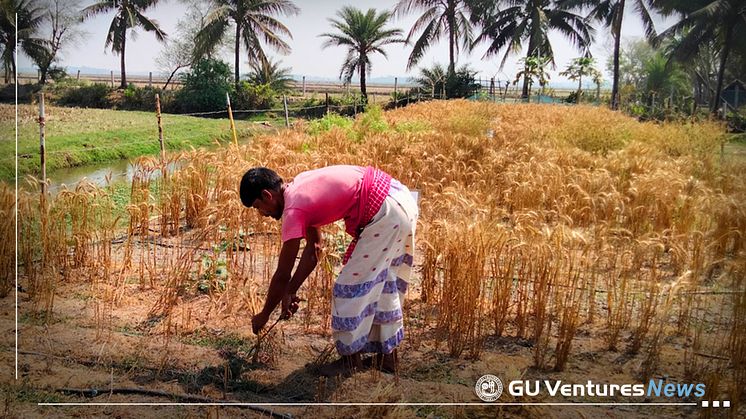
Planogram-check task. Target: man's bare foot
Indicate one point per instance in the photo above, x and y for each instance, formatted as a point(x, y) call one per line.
point(346, 365)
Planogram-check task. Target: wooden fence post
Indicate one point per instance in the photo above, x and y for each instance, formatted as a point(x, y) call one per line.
point(396, 82)
point(304, 86)
point(42, 145)
point(150, 79)
point(160, 127)
point(285, 105)
point(78, 76)
point(230, 116)
point(326, 98)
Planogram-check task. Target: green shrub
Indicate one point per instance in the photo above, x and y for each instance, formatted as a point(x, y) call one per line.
point(328, 122)
point(371, 122)
point(143, 99)
point(461, 83)
point(205, 86)
point(92, 96)
point(57, 74)
point(412, 126)
point(253, 96)
point(737, 119)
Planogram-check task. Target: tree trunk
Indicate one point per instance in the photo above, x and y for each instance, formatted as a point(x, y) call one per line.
point(238, 52)
point(526, 74)
point(616, 31)
point(721, 71)
point(525, 91)
point(123, 84)
point(580, 84)
point(363, 91)
point(172, 76)
point(451, 38)
point(451, 12)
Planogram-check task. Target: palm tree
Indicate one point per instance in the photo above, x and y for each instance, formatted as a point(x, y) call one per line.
point(533, 68)
point(127, 14)
point(511, 23)
point(270, 73)
point(432, 78)
point(439, 17)
point(703, 22)
point(579, 67)
point(30, 17)
point(362, 34)
point(255, 23)
point(611, 13)
point(663, 77)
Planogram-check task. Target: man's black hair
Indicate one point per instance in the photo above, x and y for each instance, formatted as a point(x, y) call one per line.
point(255, 181)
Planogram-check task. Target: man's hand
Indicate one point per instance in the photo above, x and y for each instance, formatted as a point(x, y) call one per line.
point(258, 322)
point(289, 306)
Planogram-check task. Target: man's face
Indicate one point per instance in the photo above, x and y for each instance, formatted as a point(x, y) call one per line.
point(268, 205)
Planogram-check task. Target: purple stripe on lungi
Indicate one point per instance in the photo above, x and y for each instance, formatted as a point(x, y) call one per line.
point(386, 346)
point(348, 324)
point(358, 290)
point(353, 347)
point(386, 317)
point(400, 285)
point(363, 345)
point(406, 259)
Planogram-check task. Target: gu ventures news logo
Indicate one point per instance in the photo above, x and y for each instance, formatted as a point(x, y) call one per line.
point(489, 388)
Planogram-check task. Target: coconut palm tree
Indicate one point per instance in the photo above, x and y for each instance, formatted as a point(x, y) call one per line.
point(30, 17)
point(269, 72)
point(509, 24)
point(611, 14)
point(255, 23)
point(433, 78)
point(663, 78)
point(703, 22)
point(128, 14)
point(439, 18)
point(362, 34)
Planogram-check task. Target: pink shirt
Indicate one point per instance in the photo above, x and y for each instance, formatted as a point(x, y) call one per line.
point(320, 197)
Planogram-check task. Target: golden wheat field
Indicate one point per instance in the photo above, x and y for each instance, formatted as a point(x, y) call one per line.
point(554, 243)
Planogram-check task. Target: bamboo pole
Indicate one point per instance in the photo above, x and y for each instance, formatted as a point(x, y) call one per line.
point(285, 105)
point(230, 116)
point(43, 197)
point(42, 145)
point(160, 126)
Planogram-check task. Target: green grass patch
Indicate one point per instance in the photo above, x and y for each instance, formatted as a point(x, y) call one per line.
point(230, 341)
point(77, 137)
point(329, 122)
point(25, 393)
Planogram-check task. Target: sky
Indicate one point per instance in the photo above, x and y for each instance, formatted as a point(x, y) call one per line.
point(307, 57)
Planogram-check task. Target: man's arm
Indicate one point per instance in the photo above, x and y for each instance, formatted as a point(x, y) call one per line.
point(308, 260)
point(278, 286)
